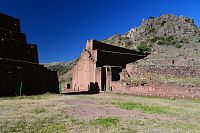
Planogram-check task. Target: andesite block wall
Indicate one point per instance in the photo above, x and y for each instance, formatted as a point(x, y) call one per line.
point(19, 63)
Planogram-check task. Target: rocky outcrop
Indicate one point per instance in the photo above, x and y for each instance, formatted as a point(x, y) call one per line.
point(64, 70)
point(181, 28)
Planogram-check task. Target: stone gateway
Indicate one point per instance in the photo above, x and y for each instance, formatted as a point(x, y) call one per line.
point(100, 65)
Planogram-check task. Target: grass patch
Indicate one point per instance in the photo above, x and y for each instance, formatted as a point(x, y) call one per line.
point(38, 110)
point(54, 128)
point(106, 122)
point(145, 108)
point(186, 126)
point(32, 97)
point(178, 45)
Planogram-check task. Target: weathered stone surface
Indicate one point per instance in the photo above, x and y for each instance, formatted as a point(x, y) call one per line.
point(19, 63)
point(99, 66)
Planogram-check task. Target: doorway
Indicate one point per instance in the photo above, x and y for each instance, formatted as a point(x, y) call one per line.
point(103, 78)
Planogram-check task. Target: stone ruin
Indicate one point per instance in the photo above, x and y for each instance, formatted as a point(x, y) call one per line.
point(19, 65)
point(100, 65)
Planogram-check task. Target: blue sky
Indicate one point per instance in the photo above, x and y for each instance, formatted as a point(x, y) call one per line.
point(61, 27)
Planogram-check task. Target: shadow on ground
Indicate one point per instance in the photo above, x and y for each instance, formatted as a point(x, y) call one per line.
point(82, 93)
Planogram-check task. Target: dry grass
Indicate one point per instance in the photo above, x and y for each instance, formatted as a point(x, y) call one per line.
point(46, 114)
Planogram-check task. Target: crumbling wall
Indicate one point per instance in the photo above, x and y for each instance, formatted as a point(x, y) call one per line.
point(84, 72)
point(174, 71)
point(10, 23)
point(19, 63)
point(35, 78)
point(12, 50)
point(99, 64)
point(140, 80)
point(159, 90)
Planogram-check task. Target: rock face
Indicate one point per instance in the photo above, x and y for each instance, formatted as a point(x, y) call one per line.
point(170, 40)
point(166, 25)
point(180, 28)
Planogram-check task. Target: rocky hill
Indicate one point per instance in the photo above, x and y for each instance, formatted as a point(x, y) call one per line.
point(64, 69)
point(171, 40)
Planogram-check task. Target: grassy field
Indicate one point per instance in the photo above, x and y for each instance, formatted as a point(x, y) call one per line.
point(110, 113)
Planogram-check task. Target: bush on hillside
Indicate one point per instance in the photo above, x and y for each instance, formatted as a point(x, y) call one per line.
point(151, 17)
point(143, 47)
point(178, 45)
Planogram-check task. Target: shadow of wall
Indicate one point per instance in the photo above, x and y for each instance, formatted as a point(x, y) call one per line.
point(35, 79)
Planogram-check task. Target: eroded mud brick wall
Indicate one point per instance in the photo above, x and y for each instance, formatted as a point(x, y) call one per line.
point(19, 63)
point(90, 69)
point(13, 44)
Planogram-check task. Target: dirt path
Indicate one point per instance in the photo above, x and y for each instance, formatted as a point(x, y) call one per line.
point(92, 108)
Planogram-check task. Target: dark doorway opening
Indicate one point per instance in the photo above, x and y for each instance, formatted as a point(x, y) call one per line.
point(115, 73)
point(68, 86)
point(103, 78)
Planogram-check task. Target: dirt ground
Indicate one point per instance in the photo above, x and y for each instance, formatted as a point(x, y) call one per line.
point(98, 113)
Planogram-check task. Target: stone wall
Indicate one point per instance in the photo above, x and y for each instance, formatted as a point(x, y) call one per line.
point(19, 63)
point(100, 64)
point(135, 80)
point(84, 72)
point(35, 78)
point(159, 90)
point(11, 50)
point(10, 23)
point(176, 71)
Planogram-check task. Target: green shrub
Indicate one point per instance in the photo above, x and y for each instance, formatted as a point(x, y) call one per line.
point(163, 23)
point(151, 17)
point(184, 40)
point(152, 30)
point(181, 41)
point(161, 42)
point(143, 47)
point(196, 28)
point(154, 39)
point(178, 45)
point(173, 42)
point(169, 40)
point(188, 20)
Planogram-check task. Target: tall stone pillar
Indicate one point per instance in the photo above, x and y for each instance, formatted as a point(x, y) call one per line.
point(108, 78)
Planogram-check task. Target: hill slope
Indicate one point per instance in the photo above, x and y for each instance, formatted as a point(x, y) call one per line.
point(171, 40)
point(168, 38)
point(64, 69)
